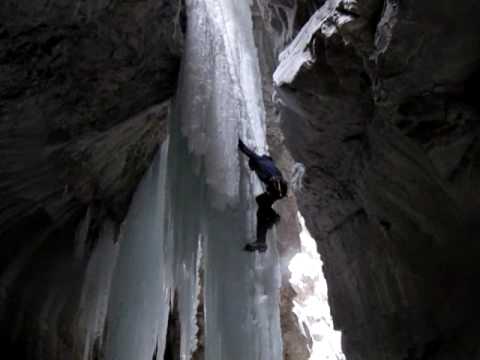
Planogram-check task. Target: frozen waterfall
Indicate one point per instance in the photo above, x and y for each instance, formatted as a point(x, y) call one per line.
point(139, 303)
point(211, 190)
point(200, 190)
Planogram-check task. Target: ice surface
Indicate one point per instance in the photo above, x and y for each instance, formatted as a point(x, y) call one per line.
point(221, 90)
point(212, 191)
point(96, 289)
point(200, 190)
point(139, 302)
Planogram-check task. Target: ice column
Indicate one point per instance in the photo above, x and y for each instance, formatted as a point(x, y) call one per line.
point(139, 303)
point(96, 291)
point(199, 189)
point(212, 192)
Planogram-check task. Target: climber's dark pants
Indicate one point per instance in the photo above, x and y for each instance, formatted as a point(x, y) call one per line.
point(266, 216)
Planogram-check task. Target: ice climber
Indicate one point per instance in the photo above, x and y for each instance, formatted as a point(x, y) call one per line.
point(276, 188)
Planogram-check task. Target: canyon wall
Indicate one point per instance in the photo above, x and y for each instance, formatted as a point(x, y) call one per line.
point(378, 100)
point(84, 97)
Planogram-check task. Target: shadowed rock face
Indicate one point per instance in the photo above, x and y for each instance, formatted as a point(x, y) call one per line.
point(84, 91)
point(75, 76)
point(378, 100)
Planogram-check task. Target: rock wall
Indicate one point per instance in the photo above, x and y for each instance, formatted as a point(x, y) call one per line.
point(378, 100)
point(295, 345)
point(84, 91)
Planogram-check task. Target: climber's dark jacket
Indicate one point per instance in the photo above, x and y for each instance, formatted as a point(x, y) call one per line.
point(266, 170)
point(276, 188)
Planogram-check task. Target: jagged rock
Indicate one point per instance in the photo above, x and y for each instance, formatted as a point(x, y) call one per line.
point(84, 91)
point(378, 101)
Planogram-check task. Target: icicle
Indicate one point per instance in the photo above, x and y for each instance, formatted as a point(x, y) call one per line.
point(139, 303)
point(96, 290)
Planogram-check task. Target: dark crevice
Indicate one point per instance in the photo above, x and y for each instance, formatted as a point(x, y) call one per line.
point(377, 16)
point(97, 349)
point(404, 124)
point(414, 105)
point(172, 345)
point(354, 137)
point(183, 17)
point(305, 11)
point(342, 10)
point(27, 227)
point(426, 351)
point(472, 89)
point(155, 352)
point(3, 33)
point(50, 44)
point(385, 224)
point(424, 131)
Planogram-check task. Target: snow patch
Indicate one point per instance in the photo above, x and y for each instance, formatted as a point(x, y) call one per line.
point(311, 303)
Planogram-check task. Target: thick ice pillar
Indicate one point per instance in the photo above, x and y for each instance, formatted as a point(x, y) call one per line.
point(201, 190)
point(139, 302)
point(212, 192)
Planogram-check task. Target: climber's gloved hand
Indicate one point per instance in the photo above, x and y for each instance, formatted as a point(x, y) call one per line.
point(241, 145)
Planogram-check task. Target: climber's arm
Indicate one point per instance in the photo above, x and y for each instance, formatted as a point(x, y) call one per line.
point(243, 148)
